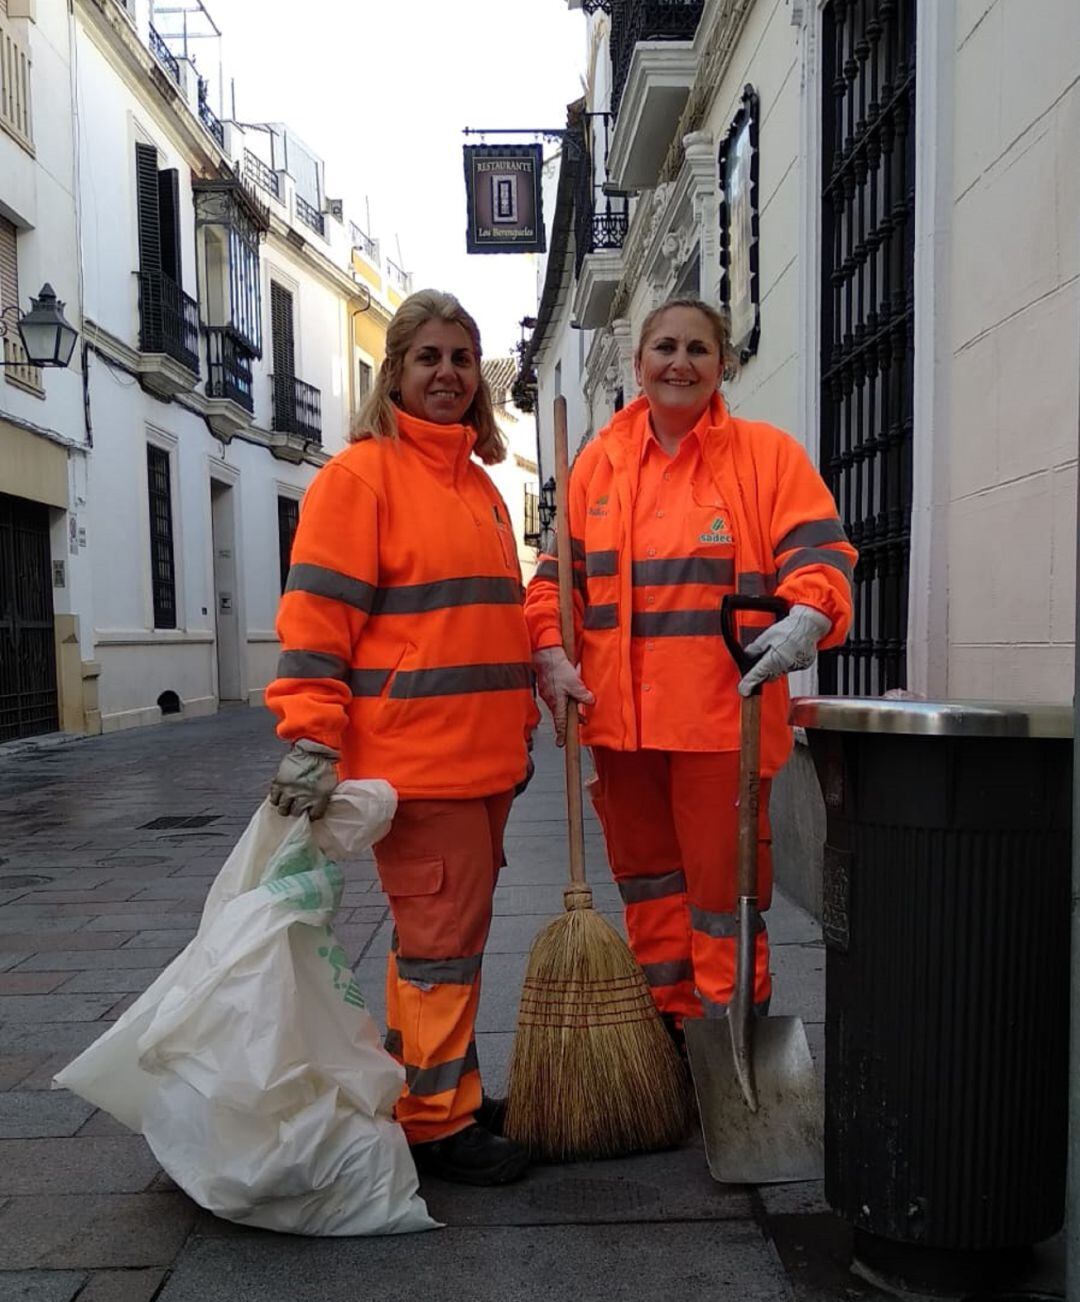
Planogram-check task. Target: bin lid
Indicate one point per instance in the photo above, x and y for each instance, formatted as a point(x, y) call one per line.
point(932, 718)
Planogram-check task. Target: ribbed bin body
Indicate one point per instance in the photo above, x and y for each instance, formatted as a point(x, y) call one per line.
point(946, 918)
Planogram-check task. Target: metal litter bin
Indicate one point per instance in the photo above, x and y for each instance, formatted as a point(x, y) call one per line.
point(946, 900)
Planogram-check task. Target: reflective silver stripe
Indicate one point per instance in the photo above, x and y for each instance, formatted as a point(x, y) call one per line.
point(667, 974)
point(635, 890)
point(757, 585)
point(601, 564)
point(720, 1010)
point(720, 926)
point(425, 1081)
point(393, 1042)
point(577, 549)
point(416, 598)
point(440, 971)
point(602, 616)
point(717, 570)
point(321, 582)
point(818, 556)
point(459, 680)
point(311, 664)
point(748, 633)
point(812, 534)
point(547, 569)
point(368, 682)
point(675, 623)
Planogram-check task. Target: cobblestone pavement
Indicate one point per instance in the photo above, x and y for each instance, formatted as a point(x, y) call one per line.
point(107, 848)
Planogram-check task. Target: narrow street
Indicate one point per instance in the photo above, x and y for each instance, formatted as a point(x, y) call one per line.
point(107, 850)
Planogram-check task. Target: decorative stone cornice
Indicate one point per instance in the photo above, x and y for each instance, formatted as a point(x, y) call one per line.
point(728, 19)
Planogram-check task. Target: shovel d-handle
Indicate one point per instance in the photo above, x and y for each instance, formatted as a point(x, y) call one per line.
point(730, 606)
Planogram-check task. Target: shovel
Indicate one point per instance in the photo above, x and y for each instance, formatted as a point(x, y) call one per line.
point(758, 1096)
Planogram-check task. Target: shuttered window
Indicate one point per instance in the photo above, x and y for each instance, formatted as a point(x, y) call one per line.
point(365, 380)
point(162, 572)
point(169, 215)
point(284, 357)
point(17, 368)
point(288, 516)
point(149, 204)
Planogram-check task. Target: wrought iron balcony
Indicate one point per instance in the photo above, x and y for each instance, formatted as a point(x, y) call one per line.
point(297, 408)
point(208, 117)
point(398, 275)
point(230, 368)
point(311, 217)
point(257, 172)
point(596, 231)
point(646, 20)
point(362, 241)
point(164, 55)
point(168, 319)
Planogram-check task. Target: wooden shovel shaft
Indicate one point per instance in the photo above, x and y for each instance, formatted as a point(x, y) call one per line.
point(574, 813)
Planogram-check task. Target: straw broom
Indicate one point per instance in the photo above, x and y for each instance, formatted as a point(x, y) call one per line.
point(593, 1071)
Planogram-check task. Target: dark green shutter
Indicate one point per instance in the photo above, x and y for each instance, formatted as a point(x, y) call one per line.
point(284, 358)
point(169, 211)
point(162, 573)
point(146, 186)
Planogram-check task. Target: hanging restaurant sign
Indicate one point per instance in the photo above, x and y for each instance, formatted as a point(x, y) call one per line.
point(502, 190)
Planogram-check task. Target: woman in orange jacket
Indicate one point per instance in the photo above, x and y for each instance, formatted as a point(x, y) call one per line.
point(674, 504)
point(405, 656)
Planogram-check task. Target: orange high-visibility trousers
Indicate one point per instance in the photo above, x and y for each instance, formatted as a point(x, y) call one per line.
point(438, 865)
point(670, 821)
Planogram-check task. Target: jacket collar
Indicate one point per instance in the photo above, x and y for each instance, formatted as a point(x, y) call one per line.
point(445, 448)
point(624, 435)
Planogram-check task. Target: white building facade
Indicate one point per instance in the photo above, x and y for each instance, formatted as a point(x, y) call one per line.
point(230, 325)
point(886, 196)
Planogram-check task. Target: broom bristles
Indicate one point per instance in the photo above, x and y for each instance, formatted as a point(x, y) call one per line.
point(593, 1071)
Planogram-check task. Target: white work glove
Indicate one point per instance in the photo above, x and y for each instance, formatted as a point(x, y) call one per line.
point(558, 682)
point(790, 643)
point(305, 780)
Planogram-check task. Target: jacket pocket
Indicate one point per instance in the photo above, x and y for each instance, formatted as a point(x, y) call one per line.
point(508, 545)
point(410, 877)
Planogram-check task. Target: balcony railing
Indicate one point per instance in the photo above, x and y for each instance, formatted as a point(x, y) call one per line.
point(14, 83)
point(311, 217)
point(398, 275)
point(646, 20)
point(598, 230)
point(168, 319)
point(297, 408)
point(362, 241)
point(208, 117)
point(164, 55)
point(229, 369)
point(257, 172)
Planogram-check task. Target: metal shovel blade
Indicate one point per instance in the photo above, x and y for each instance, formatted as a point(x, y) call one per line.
point(784, 1139)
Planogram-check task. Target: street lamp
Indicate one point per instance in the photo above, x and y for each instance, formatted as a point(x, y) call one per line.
point(46, 334)
point(547, 505)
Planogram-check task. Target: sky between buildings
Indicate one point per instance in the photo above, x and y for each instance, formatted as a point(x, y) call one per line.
point(381, 89)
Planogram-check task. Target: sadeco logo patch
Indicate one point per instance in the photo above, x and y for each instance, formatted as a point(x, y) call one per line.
point(717, 532)
point(600, 506)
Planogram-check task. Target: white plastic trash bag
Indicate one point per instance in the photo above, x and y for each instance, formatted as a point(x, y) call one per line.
point(251, 1064)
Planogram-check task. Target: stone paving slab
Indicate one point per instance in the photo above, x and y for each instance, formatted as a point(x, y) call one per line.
point(87, 1231)
point(100, 960)
point(38, 1115)
point(698, 1262)
point(112, 980)
point(76, 1166)
point(41, 1285)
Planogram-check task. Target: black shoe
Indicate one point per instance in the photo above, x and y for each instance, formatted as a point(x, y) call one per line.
point(491, 1114)
point(472, 1156)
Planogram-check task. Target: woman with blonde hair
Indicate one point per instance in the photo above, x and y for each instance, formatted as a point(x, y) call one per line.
point(405, 656)
point(674, 504)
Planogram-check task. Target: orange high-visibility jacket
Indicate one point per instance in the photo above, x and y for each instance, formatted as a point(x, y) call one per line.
point(787, 539)
point(403, 639)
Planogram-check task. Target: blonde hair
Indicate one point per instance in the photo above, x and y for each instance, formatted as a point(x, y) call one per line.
point(376, 417)
point(721, 328)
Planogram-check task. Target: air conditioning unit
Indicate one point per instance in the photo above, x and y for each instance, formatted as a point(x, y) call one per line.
point(336, 209)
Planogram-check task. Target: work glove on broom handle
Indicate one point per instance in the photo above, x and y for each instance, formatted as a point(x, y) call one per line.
point(305, 780)
point(558, 683)
point(791, 643)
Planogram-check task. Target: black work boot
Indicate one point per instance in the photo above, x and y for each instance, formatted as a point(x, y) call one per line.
point(491, 1114)
point(472, 1156)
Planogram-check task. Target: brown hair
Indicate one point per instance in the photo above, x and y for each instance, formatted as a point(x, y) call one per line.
point(376, 417)
point(721, 328)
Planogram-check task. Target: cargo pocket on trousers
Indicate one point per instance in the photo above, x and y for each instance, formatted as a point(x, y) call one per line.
point(425, 917)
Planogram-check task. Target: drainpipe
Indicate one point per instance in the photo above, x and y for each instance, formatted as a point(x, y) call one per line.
point(1072, 1209)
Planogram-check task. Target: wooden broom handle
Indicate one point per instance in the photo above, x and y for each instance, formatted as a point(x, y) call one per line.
point(574, 815)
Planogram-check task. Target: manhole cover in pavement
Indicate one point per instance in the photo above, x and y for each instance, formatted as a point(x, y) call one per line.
point(582, 1197)
point(17, 883)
